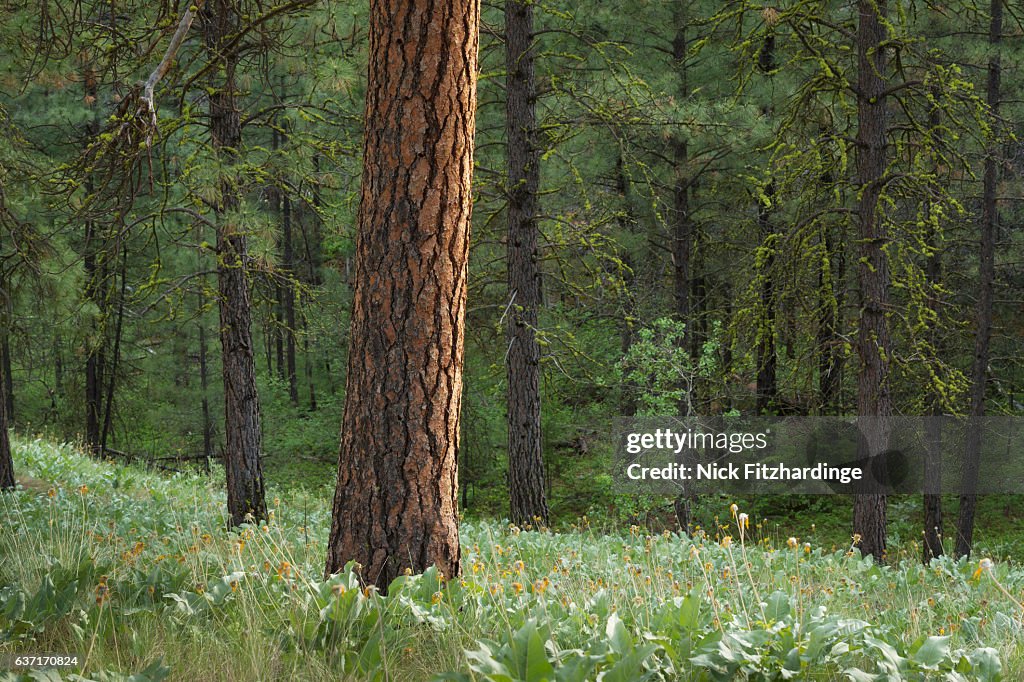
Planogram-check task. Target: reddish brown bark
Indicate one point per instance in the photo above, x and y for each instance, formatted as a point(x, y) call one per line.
point(395, 506)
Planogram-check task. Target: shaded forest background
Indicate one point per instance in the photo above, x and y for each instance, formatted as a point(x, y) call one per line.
point(698, 243)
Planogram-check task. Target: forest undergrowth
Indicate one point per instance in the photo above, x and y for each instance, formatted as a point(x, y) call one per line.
point(136, 574)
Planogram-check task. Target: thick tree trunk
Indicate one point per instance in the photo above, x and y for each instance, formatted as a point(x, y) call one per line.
point(526, 478)
point(242, 454)
point(396, 502)
point(983, 314)
point(874, 343)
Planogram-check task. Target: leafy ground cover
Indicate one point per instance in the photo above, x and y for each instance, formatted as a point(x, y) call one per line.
point(136, 573)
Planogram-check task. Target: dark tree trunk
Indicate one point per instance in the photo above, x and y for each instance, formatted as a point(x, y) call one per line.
point(682, 231)
point(983, 314)
point(6, 462)
point(309, 372)
point(5, 358)
point(203, 384)
point(396, 502)
point(767, 359)
point(94, 345)
point(288, 302)
point(830, 305)
point(932, 502)
point(874, 343)
point(108, 410)
point(526, 476)
point(242, 447)
point(626, 336)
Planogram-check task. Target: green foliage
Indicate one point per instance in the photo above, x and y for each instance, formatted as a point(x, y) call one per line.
point(132, 566)
point(659, 369)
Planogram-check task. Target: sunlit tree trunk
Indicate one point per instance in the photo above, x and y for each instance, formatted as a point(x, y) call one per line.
point(396, 501)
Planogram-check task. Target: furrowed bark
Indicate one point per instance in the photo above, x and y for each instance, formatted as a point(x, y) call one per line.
point(395, 505)
point(526, 481)
point(242, 454)
point(874, 343)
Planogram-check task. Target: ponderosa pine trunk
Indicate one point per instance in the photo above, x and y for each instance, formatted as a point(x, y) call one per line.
point(526, 479)
point(242, 437)
point(396, 502)
point(874, 343)
point(983, 314)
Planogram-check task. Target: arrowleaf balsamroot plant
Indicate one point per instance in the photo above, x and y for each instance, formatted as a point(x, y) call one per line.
point(136, 573)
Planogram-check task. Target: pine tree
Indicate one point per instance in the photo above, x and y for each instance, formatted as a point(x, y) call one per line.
point(396, 499)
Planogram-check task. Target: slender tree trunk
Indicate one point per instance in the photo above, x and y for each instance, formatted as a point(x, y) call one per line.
point(204, 387)
point(767, 359)
point(830, 303)
point(932, 501)
point(526, 476)
point(242, 455)
point(94, 344)
point(396, 502)
point(289, 298)
point(6, 461)
point(682, 230)
point(983, 314)
point(5, 358)
point(309, 369)
point(108, 411)
point(874, 343)
point(626, 337)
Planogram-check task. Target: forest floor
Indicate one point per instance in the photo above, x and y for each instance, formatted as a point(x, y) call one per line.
point(134, 573)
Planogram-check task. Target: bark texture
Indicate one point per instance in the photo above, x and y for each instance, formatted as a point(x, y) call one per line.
point(526, 480)
point(931, 547)
point(395, 506)
point(874, 343)
point(242, 436)
point(983, 315)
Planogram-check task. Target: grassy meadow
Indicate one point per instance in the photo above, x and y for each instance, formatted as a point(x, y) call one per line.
point(134, 572)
